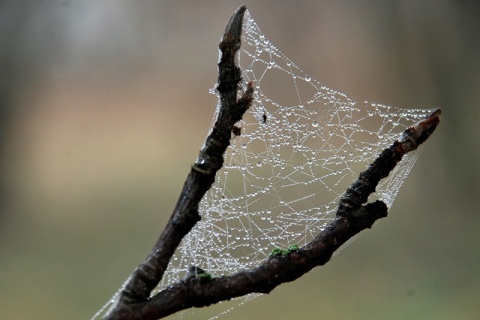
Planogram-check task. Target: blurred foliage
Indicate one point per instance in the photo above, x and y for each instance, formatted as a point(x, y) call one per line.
point(105, 105)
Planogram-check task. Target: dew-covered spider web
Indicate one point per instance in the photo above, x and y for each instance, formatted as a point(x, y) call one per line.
point(300, 146)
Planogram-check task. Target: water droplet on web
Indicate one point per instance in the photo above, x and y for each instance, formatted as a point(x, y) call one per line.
point(308, 78)
point(315, 123)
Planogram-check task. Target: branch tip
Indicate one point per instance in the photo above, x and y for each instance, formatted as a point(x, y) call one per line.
point(420, 131)
point(233, 30)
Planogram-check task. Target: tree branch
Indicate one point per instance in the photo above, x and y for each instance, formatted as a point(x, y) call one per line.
point(210, 159)
point(353, 213)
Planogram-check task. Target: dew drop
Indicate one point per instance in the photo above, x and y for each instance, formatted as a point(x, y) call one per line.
point(315, 123)
point(308, 78)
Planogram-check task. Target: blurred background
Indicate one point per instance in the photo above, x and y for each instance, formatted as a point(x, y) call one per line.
point(104, 106)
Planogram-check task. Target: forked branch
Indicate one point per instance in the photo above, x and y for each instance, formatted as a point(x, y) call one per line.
point(354, 214)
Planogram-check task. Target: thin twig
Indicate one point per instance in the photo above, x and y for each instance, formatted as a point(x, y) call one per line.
point(278, 269)
point(353, 215)
point(357, 194)
point(185, 215)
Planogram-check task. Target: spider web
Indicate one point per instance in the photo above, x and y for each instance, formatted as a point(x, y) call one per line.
point(301, 146)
